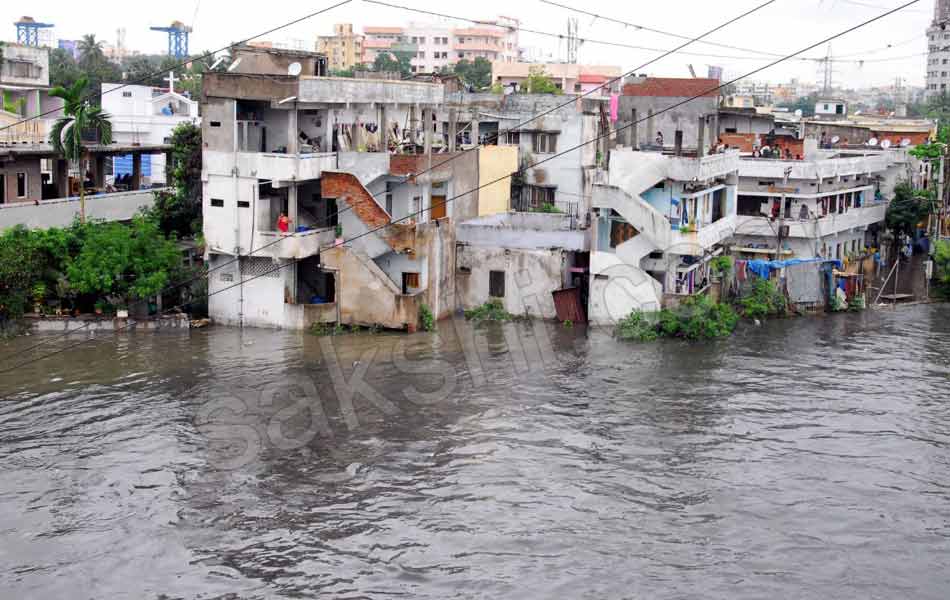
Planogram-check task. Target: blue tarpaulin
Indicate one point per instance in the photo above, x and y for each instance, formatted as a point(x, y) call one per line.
point(122, 165)
point(763, 268)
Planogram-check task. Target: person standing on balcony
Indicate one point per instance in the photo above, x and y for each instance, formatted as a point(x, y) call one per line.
point(659, 139)
point(283, 223)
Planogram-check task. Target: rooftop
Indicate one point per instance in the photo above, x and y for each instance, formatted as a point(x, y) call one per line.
point(671, 87)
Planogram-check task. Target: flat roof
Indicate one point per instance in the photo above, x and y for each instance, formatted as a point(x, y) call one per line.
point(46, 150)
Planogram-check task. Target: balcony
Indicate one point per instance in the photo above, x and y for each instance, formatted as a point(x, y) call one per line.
point(814, 169)
point(16, 131)
point(293, 246)
point(271, 167)
point(709, 235)
point(61, 213)
point(475, 46)
point(684, 168)
point(812, 228)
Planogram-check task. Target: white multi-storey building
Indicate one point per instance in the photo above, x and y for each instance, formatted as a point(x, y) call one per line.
point(938, 57)
point(142, 114)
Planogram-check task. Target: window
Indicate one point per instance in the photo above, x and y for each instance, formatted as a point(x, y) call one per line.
point(217, 202)
point(496, 284)
point(826, 107)
point(545, 143)
point(21, 186)
point(126, 94)
point(537, 196)
point(411, 280)
point(216, 123)
point(512, 138)
point(243, 204)
point(389, 197)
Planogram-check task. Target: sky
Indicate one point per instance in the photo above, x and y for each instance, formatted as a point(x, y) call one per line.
point(783, 27)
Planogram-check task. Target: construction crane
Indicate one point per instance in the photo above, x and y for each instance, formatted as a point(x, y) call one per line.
point(177, 38)
point(28, 31)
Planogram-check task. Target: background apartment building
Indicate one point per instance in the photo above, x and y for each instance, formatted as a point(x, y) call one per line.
point(434, 46)
point(344, 49)
point(938, 58)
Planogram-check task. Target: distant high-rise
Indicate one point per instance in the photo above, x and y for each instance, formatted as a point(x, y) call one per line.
point(938, 56)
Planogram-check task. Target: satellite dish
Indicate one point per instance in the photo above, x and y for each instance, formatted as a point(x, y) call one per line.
point(905, 142)
point(798, 113)
point(872, 142)
point(835, 139)
point(886, 144)
point(294, 69)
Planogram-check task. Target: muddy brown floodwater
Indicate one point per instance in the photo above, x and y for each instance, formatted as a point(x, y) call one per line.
point(807, 458)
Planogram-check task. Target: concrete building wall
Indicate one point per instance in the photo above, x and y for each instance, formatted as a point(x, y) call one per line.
point(495, 163)
point(217, 126)
point(684, 117)
point(28, 167)
point(530, 278)
point(61, 213)
point(14, 70)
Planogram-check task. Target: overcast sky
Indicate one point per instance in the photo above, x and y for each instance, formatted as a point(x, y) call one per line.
point(783, 27)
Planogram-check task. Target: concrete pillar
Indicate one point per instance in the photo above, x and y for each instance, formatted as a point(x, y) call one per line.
point(650, 135)
point(453, 130)
point(678, 143)
point(714, 128)
point(701, 138)
point(136, 170)
point(413, 126)
point(292, 206)
point(293, 130)
point(633, 135)
point(61, 175)
point(356, 136)
point(99, 170)
point(475, 130)
point(383, 129)
point(427, 130)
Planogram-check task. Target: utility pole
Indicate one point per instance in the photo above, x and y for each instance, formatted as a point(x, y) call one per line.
point(573, 41)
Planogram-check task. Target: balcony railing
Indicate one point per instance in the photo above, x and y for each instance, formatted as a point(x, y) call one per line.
point(285, 167)
point(121, 206)
point(813, 228)
point(708, 167)
point(814, 169)
point(293, 245)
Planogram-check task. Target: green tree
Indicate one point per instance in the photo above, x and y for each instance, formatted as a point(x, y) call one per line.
point(18, 268)
point(539, 83)
point(942, 267)
point(396, 61)
point(178, 211)
point(124, 262)
point(63, 69)
point(80, 116)
point(94, 65)
point(933, 150)
point(475, 74)
point(938, 107)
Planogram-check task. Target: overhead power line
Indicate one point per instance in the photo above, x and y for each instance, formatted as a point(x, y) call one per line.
point(525, 168)
point(411, 176)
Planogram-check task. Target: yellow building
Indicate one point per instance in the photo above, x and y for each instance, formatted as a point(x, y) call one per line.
point(494, 163)
point(344, 49)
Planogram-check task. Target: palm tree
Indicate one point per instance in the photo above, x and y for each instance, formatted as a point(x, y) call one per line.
point(79, 116)
point(90, 50)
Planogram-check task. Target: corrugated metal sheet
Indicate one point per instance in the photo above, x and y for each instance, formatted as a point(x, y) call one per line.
point(567, 304)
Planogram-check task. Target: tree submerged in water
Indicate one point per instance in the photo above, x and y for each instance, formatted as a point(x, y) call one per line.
point(696, 318)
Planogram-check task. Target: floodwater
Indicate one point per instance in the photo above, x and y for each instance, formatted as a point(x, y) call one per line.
point(804, 459)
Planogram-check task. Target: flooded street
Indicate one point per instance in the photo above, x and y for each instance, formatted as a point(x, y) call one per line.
point(807, 458)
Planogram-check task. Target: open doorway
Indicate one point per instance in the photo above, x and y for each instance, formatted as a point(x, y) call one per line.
point(3, 188)
point(314, 285)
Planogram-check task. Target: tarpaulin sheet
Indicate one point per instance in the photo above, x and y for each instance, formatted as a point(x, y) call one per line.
point(762, 268)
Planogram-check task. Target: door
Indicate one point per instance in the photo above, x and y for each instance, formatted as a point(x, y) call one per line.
point(3, 189)
point(438, 207)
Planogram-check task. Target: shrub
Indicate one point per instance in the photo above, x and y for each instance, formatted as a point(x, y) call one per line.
point(493, 310)
point(547, 207)
point(696, 318)
point(426, 319)
point(942, 268)
point(765, 300)
point(721, 264)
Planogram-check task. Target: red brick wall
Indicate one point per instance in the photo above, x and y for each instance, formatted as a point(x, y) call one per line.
point(746, 141)
point(915, 137)
point(346, 187)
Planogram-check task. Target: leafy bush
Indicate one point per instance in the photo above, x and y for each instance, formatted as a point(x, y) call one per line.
point(547, 207)
point(942, 268)
point(765, 300)
point(721, 264)
point(493, 310)
point(696, 318)
point(426, 319)
point(637, 327)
